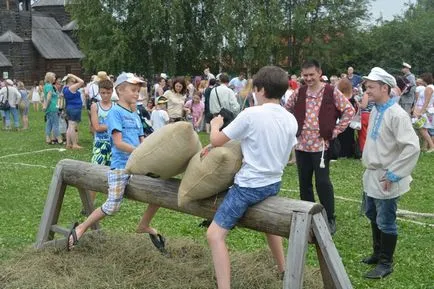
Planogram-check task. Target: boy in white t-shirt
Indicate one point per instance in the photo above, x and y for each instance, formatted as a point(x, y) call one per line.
point(159, 116)
point(267, 133)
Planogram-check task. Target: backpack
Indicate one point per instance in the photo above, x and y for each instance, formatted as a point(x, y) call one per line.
point(4, 103)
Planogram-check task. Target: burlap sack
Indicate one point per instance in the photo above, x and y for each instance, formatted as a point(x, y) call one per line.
point(166, 152)
point(210, 173)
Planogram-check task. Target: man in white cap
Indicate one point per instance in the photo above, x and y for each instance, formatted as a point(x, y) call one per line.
point(390, 155)
point(407, 99)
point(10, 94)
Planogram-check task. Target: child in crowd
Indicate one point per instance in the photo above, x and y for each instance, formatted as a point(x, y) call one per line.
point(102, 147)
point(126, 131)
point(195, 110)
point(159, 116)
point(267, 133)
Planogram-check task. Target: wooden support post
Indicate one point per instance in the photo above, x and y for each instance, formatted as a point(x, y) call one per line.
point(87, 205)
point(297, 248)
point(333, 261)
point(53, 204)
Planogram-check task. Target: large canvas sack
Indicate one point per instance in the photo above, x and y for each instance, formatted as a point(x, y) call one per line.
point(166, 152)
point(210, 172)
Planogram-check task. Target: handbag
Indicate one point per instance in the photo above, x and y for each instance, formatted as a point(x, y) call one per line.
point(228, 116)
point(4, 104)
point(356, 123)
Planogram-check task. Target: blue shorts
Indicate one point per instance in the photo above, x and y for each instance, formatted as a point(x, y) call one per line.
point(238, 200)
point(117, 182)
point(74, 114)
point(431, 131)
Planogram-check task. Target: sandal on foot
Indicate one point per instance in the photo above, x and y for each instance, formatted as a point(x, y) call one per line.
point(72, 234)
point(159, 242)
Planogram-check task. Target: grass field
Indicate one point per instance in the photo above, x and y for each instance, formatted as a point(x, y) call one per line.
point(25, 177)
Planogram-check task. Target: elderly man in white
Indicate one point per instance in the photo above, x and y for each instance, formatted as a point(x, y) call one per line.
point(390, 155)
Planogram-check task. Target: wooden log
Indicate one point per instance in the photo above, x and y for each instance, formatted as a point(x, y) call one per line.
point(270, 216)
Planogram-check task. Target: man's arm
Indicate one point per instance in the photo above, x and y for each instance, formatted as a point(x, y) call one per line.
point(347, 110)
point(408, 143)
point(217, 137)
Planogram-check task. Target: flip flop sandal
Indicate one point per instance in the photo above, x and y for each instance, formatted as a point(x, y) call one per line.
point(72, 233)
point(159, 242)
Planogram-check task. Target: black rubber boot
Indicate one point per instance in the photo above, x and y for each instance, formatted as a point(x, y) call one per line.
point(332, 225)
point(385, 264)
point(376, 240)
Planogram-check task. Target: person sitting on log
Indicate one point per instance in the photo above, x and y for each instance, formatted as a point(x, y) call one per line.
point(267, 133)
point(126, 131)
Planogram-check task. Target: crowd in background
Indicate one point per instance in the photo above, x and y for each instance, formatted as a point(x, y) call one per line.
point(197, 99)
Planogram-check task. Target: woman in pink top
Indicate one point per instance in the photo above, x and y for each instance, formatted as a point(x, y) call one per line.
point(194, 110)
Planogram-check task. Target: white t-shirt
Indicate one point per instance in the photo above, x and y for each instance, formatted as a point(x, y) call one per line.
point(267, 134)
point(159, 118)
point(94, 91)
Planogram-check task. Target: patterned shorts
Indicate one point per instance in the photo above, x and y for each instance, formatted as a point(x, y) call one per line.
point(238, 200)
point(117, 181)
point(102, 153)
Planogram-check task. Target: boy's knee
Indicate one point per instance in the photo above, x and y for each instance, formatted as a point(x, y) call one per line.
point(110, 208)
point(213, 236)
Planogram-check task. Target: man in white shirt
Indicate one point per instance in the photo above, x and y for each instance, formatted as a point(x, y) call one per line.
point(238, 83)
point(267, 133)
point(13, 97)
point(208, 74)
point(223, 97)
point(390, 155)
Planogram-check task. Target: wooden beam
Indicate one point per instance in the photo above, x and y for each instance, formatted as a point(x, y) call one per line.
point(270, 216)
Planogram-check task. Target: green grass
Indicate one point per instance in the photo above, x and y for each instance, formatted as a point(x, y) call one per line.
point(23, 191)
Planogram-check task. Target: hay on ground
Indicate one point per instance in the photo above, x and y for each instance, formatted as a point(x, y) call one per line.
point(130, 261)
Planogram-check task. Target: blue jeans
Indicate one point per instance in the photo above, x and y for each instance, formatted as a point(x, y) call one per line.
point(52, 124)
point(383, 213)
point(238, 200)
point(16, 116)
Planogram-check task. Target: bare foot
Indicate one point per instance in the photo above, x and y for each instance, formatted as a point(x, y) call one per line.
point(76, 147)
point(146, 231)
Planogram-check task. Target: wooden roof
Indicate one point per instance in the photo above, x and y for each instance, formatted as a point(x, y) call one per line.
point(50, 41)
point(41, 3)
point(10, 37)
point(4, 61)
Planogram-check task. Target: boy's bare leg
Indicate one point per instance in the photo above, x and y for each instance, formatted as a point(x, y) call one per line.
point(144, 224)
point(216, 236)
point(96, 216)
point(276, 247)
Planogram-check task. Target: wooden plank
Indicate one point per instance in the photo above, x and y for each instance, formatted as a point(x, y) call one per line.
point(61, 243)
point(87, 205)
point(330, 253)
point(297, 248)
point(325, 272)
point(61, 230)
point(271, 216)
point(52, 207)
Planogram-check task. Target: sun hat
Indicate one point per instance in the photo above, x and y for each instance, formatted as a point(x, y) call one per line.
point(162, 100)
point(163, 75)
point(102, 75)
point(9, 82)
point(127, 77)
point(379, 74)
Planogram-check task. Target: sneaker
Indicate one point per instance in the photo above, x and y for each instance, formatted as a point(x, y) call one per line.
point(332, 226)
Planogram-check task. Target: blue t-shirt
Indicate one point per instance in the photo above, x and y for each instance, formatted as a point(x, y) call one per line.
point(73, 100)
point(356, 80)
point(129, 124)
point(102, 119)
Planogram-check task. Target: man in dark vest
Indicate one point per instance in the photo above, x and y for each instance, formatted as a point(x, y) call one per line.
point(317, 106)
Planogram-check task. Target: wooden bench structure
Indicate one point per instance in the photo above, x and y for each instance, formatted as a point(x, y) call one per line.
point(303, 222)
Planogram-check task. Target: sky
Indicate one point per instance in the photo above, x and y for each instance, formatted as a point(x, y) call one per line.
point(388, 8)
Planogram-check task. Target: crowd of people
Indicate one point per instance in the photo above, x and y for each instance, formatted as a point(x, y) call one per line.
point(314, 118)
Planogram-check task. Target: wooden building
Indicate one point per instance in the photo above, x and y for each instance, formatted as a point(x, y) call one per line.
point(37, 38)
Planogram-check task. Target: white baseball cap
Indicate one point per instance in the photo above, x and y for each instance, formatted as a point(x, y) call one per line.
point(379, 74)
point(405, 64)
point(9, 82)
point(127, 77)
